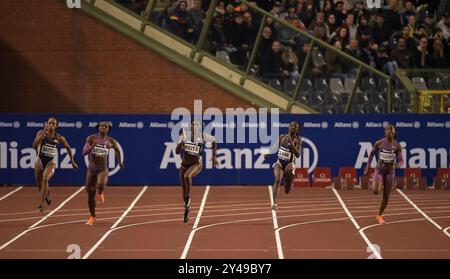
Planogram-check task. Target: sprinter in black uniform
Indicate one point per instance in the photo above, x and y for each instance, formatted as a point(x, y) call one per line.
point(288, 149)
point(46, 143)
point(192, 144)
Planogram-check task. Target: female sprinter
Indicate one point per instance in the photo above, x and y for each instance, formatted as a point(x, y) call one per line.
point(288, 149)
point(98, 146)
point(46, 143)
point(389, 158)
point(192, 144)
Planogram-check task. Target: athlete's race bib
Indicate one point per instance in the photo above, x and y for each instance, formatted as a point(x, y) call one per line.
point(192, 149)
point(48, 151)
point(387, 157)
point(100, 151)
point(284, 155)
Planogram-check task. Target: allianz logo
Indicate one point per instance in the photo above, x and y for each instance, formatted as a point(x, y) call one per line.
point(77, 124)
point(415, 124)
point(35, 124)
point(15, 124)
point(138, 125)
point(438, 124)
point(322, 125)
point(93, 124)
point(281, 125)
point(354, 125)
point(253, 125)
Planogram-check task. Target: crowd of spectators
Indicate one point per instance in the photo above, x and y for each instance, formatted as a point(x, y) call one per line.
point(400, 34)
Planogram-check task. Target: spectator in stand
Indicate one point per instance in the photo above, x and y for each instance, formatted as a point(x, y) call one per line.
point(267, 39)
point(384, 64)
point(250, 28)
point(444, 25)
point(350, 23)
point(438, 59)
point(429, 24)
point(216, 35)
point(381, 31)
point(313, 71)
point(159, 13)
point(179, 21)
point(340, 35)
point(411, 24)
point(359, 10)
point(237, 40)
point(339, 12)
point(328, 8)
point(331, 24)
point(335, 63)
point(277, 10)
point(363, 27)
point(272, 64)
point(196, 19)
point(393, 19)
point(352, 49)
point(422, 58)
point(402, 55)
point(318, 28)
point(290, 63)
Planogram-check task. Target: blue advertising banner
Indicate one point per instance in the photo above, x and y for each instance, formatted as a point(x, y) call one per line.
point(149, 153)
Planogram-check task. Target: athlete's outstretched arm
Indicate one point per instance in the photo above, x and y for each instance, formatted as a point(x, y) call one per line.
point(399, 157)
point(214, 156)
point(39, 136)
point(295, 146)
point(118, 153)
point(69, 151)
point(180, 144)
point(274, 147)
point(371, 155)
point(88, 146)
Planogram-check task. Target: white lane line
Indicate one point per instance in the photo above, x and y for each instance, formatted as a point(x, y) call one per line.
point(275, 226)
point(418, 209)
point(194, 227)
point(10, 193)
point(100, 241)
point(41, 220)
point(361, 232)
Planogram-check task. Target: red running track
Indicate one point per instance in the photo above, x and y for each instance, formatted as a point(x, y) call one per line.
point(226, 222)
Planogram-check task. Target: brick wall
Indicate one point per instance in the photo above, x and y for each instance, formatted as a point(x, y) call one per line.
point(53, 59)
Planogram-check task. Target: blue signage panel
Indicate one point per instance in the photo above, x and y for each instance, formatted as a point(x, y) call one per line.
point(149, 153)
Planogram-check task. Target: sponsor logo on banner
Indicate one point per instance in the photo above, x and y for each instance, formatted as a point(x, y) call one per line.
point(447, 124)
point(138, 125)
point(79, 124)
point(324, 125)
point(375, 125)
point(15, 124)
point(436, 124)
point(346, 124)
point(415, 124)
point(355, 125)
point(160, 125)
point(280, 125)
point(63, 124)
point(113, 164)
point(385, 123)
point(312, 124)
point(93, 124)
point(35, 124)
